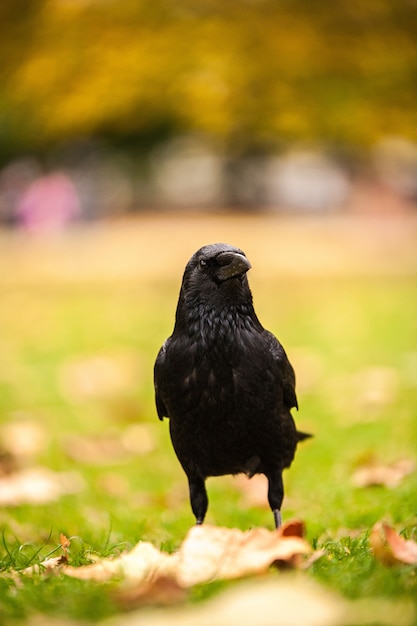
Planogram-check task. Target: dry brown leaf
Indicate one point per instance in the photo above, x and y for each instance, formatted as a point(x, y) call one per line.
point(8, 463)
point(286, 601)
point(52, 565)
point(65, 543)
point(138, 439)
point(99, 376)
point(37, 485)
point(293, 528)
point(390, 548)
point(388, 475)
point(114, 484)
point(210, 552)
point(98, 449)
point(110, 448)
point(207, 553)
point(161, 591)
point(23, 437)
point(142, 564)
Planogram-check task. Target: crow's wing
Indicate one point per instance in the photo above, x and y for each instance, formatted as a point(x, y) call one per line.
point(284, 369)
point(158, 375)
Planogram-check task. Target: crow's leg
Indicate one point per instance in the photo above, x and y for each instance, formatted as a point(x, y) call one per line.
point(198, 497)
point(275, 494)
point(277, 518)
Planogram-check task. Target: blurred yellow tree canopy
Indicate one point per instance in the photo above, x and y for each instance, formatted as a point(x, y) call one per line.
point(246, 72)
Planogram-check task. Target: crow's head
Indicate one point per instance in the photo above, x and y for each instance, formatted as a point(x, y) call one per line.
point(216, 273)
point(217, 262)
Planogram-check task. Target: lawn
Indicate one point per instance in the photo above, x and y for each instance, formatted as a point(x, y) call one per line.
point(82, 317)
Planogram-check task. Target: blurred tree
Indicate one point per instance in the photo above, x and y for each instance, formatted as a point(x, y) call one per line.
point(250, 73)
point(17, 23)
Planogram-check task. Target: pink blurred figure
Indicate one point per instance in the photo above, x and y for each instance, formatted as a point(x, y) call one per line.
point(49, 204)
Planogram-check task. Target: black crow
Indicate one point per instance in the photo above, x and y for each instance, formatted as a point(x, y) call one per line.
point(225, 382)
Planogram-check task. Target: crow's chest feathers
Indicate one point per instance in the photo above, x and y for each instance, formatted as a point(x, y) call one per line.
point(222, 335)
point(221, 344)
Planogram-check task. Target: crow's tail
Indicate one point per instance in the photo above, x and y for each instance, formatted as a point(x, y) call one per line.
point(301, 436)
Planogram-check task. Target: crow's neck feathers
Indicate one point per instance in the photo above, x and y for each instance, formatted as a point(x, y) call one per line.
point(216, 310)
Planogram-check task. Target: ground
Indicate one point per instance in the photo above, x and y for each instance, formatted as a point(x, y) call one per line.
point(82, 317)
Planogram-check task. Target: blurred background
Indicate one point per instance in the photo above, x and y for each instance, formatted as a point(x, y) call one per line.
point(132, 133)
point(110, 108)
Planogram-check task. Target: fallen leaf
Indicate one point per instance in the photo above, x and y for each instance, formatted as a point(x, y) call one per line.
point(390, 548)
point(142, 564)
point(114, 484)
point(138, 439)
point(160, 591)
point(65, 544)
point(207, 553)
point(150, 576)
point(99, 376)
point(23, 437)
point(49, 566)
point(293, 528)
point(213, 553)
point(98, 449)
point(104, 449)
point(280, 602)
point(37, 485)
point(387, 475)
point(8, 463)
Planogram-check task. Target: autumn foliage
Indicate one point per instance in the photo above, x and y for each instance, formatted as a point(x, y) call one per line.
point(249, 74)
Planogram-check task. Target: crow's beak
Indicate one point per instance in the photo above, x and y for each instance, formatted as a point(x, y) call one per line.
point(232, 265)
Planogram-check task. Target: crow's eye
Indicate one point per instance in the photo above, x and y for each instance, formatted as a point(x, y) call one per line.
point(203, 263)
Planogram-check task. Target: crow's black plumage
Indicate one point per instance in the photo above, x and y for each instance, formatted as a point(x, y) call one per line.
point(225, 382)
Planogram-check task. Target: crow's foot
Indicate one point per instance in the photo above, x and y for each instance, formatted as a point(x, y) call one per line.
point(277, 518)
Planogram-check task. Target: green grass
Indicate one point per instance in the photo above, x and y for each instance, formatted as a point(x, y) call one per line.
point(352, 339)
